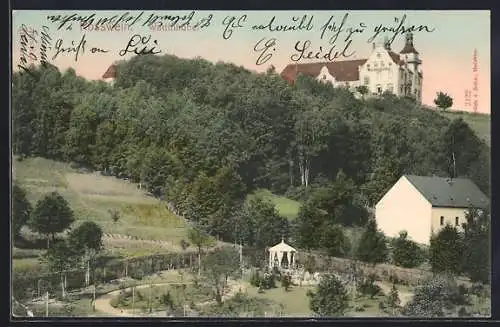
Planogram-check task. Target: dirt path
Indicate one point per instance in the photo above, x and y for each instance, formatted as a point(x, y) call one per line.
point(103, 303)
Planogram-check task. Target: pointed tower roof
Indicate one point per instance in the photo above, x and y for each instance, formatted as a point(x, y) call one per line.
point(409, 48)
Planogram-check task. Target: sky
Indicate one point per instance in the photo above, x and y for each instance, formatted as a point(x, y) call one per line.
point(446, 41)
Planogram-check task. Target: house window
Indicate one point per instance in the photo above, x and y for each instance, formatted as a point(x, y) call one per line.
point(441, 221)
point(367, 80)
point(456, 221)
point(379, 89)
point(324, 76)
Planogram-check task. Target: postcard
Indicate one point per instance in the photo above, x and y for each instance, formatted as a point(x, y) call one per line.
point(250, 164)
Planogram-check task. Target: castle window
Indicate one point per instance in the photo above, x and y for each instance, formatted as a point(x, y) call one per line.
point(456, 221)
point(441, 221)
point(367, 80)
point(379, 89)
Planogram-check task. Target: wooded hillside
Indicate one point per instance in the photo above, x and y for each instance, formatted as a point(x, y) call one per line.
point(204, 135)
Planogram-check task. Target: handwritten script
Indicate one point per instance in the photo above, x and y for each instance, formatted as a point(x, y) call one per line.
point(335, 36)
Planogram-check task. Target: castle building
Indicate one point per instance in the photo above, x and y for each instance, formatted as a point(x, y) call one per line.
point(383, 71)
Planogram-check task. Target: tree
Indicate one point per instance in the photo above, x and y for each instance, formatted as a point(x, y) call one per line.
point(446, 251)
point(52, 215)
point(405, 252)
point(433, 297)
point(308, 226)
point(219, 266)
point(60, 258)
point(393, 300)
point(477, 245)
point(334, 241)
point(330, 298)
point(259, 224)
point(443, 100)
point(167, 300)
point(21, 209)
point(372, 247)
point(86, 239)
point(363, 90)
point(200, 239)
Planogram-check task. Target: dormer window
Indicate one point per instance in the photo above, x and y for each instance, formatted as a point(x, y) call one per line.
point(324, 76)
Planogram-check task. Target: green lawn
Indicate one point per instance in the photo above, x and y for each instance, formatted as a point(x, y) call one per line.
point(480, 123)
point(286, 207)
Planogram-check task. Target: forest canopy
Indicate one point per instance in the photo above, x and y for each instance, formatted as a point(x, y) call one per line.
point(204, 135)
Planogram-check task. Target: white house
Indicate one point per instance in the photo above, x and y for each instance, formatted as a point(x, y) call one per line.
point(423, 205)
point(383, 71)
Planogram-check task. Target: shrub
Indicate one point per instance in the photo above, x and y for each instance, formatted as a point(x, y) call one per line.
point(368, 287)
point(255, 279)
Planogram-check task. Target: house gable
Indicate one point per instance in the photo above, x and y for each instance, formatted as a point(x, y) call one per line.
point(404, 208)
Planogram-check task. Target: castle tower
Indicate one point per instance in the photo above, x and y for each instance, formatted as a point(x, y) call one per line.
point(409, 52)
point(410, 55)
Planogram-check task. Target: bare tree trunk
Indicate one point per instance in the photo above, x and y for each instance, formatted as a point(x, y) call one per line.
point(62, 286)
point(302, 174)
point(199, 262)
point(306, 173)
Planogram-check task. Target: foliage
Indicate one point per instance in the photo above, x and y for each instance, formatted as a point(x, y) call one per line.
point(405, 252)
point(51, 215)
point(260, 225)
point(219, 266)
point(443, 100)
point(334, 241)
point(308, 226)
point(368, 287)
point(21, 209)
point(446, 251)
point(434, 297)
point(211, 133)
point(330, 298)
point(286, 282)
point(477, 246)
point(114, 214)
point(372, 247)
point(86, 237)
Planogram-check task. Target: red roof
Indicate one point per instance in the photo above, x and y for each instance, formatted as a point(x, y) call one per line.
point(345, 71)
point(110, 73)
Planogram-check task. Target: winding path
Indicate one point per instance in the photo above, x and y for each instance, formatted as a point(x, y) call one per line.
point(103, 303)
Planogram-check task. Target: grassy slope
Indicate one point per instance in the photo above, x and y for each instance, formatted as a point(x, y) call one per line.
point(286, 207)
point(480, 123)
point(92, 195)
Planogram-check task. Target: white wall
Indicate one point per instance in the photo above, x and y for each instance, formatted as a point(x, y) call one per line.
point(404, 208)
